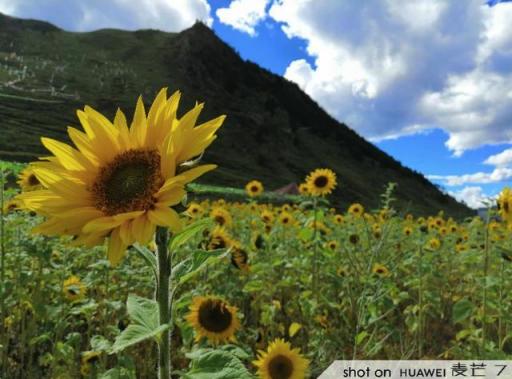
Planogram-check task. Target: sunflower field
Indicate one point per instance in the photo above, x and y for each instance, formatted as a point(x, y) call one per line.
point(115, 264)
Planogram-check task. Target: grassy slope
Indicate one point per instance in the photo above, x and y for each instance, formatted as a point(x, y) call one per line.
point(274, 132)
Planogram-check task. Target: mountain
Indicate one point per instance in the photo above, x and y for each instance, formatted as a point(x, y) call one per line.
point(274, 132)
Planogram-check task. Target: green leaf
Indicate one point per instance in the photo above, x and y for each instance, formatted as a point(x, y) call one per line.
point(217, 364)
point(360, 337)
point(148, 256)
point(100, 343)
point(199, 259)
point(462, 310)
point(189, 232)
point(144, 316)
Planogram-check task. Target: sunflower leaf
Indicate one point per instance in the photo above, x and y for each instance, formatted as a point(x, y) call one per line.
point(189, 232)
point(197, 261)
point(217, 364)
point(148, 256)
point(143, 314)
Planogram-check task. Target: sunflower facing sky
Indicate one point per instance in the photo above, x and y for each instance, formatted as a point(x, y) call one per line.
point(213, 318)
point(280, 361)
point(321, 182)
point(118, 182)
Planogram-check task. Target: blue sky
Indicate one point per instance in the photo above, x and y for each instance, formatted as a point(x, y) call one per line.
point(427, 81)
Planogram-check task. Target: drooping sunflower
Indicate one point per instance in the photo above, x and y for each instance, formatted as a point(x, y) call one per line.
point(28, 181)
point(254, 188)
point(321, 182)
point(505, 205)
point(214, 319)
point(356, 210)
point(219, 238)
point(221, 216)
point(73, 289)
point(120, 182)
point(281, 361)
point(380, 270)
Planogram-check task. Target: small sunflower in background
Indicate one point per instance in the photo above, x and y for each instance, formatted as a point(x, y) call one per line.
point(434, 244)
point(339, 219)
point(505, 204)
point(214, 319)
point(332, 245)
point(281, 361)
point(221, 216)
point(407, 231)
point(73, 289)
point(28, 181)
point(12, 205)
point(267, 216)
point(89, 358)
point(321, 182)
point(195, 210)
point(286, 219)
point(303, 189)
point(356, 210)
point(380, 270)
point(239, 257)
point(219, 238)
point(254, 188)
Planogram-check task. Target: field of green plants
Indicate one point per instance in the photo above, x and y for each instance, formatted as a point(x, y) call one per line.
point(197, 282)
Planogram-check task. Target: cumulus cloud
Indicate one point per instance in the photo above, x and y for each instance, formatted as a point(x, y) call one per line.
point(78, 15)
point(243, 15)
point(502, 159)
point(474, 197)
point(499, 174)
point(391, 68)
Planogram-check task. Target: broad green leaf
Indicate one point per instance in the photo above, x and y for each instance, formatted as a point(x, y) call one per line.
point(217, 364)
point(143, 314)
point(189, 232)
point(462, 310)
point(198, 259)
point(100, 343)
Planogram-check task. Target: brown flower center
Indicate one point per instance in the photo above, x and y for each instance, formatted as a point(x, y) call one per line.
point(214, 316)
point(128, 183)
point(321, 181)
point(33, 181)
point(254, 189)
point(280, 367)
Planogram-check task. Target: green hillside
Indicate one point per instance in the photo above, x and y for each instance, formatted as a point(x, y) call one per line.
point(274, 132)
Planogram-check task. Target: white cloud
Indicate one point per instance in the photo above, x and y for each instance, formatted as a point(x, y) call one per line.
point(78, 15)
point(499, 174)
point(474, 197)
point(390, 68)
point(243, 15)
point(502, 159)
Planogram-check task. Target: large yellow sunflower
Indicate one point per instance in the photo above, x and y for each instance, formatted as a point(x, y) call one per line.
point(213, 318)
point(119, 182)
point(280, 361)
point(321, 182)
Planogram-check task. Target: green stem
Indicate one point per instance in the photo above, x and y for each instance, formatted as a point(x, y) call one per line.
point(3, 339)
point(162, 297)
point(486, 271)
point(315, 254)
point(420, 303)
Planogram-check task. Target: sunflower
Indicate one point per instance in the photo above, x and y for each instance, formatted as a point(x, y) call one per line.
point(434, 244)
point(505, 204)
point(213, 318)
point(321, 182)
point(332, 245)
point(221, 216)
point(195, 210)
point(12, 205)
point(219, 238)
point(120, 182)
point(254, 188)
point(28, 181)
point(281, 361)
point(356, 210)
point(407, 231)
point(286, 219)
point(303, 189)
point(267, 217)
point(338, 219)
point(239, 257)
point(380, 270)
point(73, 288)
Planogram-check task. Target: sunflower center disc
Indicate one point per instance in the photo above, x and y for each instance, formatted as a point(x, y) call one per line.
point(33, 181)
point(214, 317)
point(280, 367)
point(321, 181)
point(128, 183)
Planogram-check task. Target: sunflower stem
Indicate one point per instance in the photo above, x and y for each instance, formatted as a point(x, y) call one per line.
point(163, 299)
point(315, 254)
